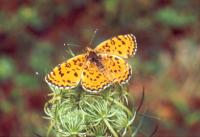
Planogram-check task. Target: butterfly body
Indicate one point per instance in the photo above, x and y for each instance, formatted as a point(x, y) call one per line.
point(98, 68)
point(93, 57)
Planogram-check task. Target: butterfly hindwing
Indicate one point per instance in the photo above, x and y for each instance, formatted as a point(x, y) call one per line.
point(122, 46)
point(93, 78)
point(117, 68)
point(67, 75)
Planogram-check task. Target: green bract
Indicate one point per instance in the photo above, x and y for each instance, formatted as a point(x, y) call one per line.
point(79, 113)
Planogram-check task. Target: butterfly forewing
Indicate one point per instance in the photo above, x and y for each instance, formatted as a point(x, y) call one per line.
point(68, 74)
point(122, 46)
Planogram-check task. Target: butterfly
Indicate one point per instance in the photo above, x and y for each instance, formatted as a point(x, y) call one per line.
point(98, 68)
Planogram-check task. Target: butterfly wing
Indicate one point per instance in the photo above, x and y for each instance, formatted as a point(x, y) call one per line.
point(93, 78)
point(122, 45)
point(117, 68)
point(67, 75)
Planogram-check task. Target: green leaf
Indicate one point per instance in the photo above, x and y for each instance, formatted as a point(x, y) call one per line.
point(5, 106)
point(29, 15)
point(26, 80)
point(111, 5)
point(173, 18)
point(193, 118)
point(7, 68)
point(40, 57)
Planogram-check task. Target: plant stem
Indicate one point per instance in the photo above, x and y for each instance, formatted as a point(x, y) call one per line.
point(50, 128)
point(121, 105)
point(110, 128)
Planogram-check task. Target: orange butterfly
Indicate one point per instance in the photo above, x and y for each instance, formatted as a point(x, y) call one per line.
point(98, 68)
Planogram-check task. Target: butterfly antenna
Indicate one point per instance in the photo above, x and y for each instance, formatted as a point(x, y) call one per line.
point(71, 44)
point(93, 36)
point(69, 51)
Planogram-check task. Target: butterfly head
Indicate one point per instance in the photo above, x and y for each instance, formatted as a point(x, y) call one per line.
point(88, 49)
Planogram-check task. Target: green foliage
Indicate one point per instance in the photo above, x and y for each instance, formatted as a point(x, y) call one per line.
point(150, 67)
point(7, 68)
point(18, 21)
point(5, 106)
point(111, 5)
point(29, 15)
point(173, 18)
point(26, 80)
point(40, 57)
point(193, 118)
point(78, 113)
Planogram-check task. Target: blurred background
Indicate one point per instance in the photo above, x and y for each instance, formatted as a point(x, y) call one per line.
point(167, 64)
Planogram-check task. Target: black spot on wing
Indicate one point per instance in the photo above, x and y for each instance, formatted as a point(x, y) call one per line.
point(69, 81)
point(112, 42)
point(61, 74)
point(119, 52)
point(76, 74)
point(116, 58)
point(67, 65)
